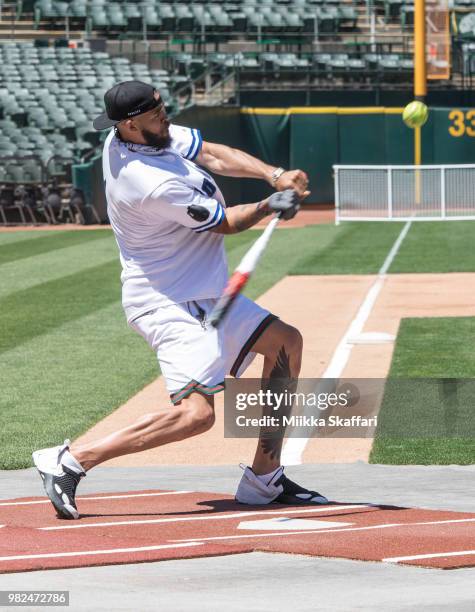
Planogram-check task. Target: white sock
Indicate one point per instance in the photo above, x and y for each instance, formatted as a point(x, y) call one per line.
point(266, 478)
point(69, 461)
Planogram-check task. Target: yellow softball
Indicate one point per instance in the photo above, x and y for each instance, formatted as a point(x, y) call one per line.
point(415, 114)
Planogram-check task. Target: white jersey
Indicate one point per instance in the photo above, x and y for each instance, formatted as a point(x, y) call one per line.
point(160, 206)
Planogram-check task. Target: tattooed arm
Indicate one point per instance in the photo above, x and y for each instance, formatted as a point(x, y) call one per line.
point(240, 218)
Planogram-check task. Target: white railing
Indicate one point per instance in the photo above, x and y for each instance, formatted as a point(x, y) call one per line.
point(401, 193)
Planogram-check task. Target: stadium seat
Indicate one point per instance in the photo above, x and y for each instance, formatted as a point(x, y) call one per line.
point(167, 17)
point(56, 94)
point(466, 27)
point(407, 15)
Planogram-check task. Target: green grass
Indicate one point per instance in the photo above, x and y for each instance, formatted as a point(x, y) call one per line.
point(357, 248)
point(13, 251)
point(37, 310)
point(437, 247)
point(361, 248)
point(429, 421)
point(59, 384)
point(67, 357)
point(9, 237)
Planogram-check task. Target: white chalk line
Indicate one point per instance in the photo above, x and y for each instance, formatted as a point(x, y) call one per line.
point(310, 531)
point(295, 447)
point(86, 553)
point(209, 517)
point(86, 498)
point(458, 553)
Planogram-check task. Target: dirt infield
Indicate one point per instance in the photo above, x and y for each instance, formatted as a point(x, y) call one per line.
point(323, 310)
point(311, 215)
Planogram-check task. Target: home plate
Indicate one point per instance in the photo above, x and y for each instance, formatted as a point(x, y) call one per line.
point(372, 338)
point(282, 522)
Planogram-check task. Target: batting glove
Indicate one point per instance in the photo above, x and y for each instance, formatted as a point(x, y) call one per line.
point(287, 203)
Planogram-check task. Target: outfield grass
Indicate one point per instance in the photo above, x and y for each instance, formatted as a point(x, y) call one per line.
point(357, 248)
point(20, 249)
point(437, 247)
point(429, 348)
point(361, 248)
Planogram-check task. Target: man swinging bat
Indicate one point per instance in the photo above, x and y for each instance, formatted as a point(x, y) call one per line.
point(169, 217)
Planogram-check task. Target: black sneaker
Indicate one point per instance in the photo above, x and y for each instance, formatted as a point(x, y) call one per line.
point(295, 494)
point(254, 491)
point(60, 481)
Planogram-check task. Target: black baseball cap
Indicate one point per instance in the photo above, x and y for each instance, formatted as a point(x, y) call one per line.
point(126, 100)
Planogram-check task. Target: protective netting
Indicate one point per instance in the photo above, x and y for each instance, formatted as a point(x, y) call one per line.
point(416, 193)
point(405, 192)
point(363, 192)
point(459, 191)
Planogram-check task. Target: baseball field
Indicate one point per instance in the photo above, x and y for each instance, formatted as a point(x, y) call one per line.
point(70, 367)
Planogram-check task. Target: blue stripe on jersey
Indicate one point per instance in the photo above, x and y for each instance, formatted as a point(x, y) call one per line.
point(213, 220)
point(198, 147)
point(193, 138)
point(216, 220)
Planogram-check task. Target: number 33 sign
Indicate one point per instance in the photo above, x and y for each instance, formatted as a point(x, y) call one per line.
point(462, 123)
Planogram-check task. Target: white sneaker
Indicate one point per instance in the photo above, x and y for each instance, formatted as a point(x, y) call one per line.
point(59, 481)
point(252, 490)
point(279, 489)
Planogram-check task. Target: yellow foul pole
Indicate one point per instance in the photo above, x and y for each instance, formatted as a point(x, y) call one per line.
point(420, 84)
point(420, 78)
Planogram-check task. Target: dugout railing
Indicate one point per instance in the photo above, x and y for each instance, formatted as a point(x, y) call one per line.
point(402, 193)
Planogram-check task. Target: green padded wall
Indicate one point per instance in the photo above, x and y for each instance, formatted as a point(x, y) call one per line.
point(314, 146)
point(454, 136)
point(89, 178)
point(313, 139)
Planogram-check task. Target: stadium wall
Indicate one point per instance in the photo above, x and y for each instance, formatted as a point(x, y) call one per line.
point(313, 139)
point(89, 179)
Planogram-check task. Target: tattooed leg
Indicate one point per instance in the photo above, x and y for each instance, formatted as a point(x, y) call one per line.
point(280, 377)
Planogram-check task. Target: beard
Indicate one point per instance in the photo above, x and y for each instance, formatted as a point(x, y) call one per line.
point(153, 140)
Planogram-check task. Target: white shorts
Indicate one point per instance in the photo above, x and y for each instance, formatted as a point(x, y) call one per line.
point(195, 356)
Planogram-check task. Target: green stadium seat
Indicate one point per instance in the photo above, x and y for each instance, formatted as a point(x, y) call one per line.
point(32, 171)
point(293, 22)
point(328, 19)
point(185, 19)
point(78, 10)
point(348, 17)
point(466, 27)
point(407, 15)
point(117, 19)
point(99, 20)
point(203, 18)
point(167, 17)
point(101, 57)
point(275, 22)
point(15, 173)
point(392, 10)
point(132, 10)
point(152, 18)
point(61, 8)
